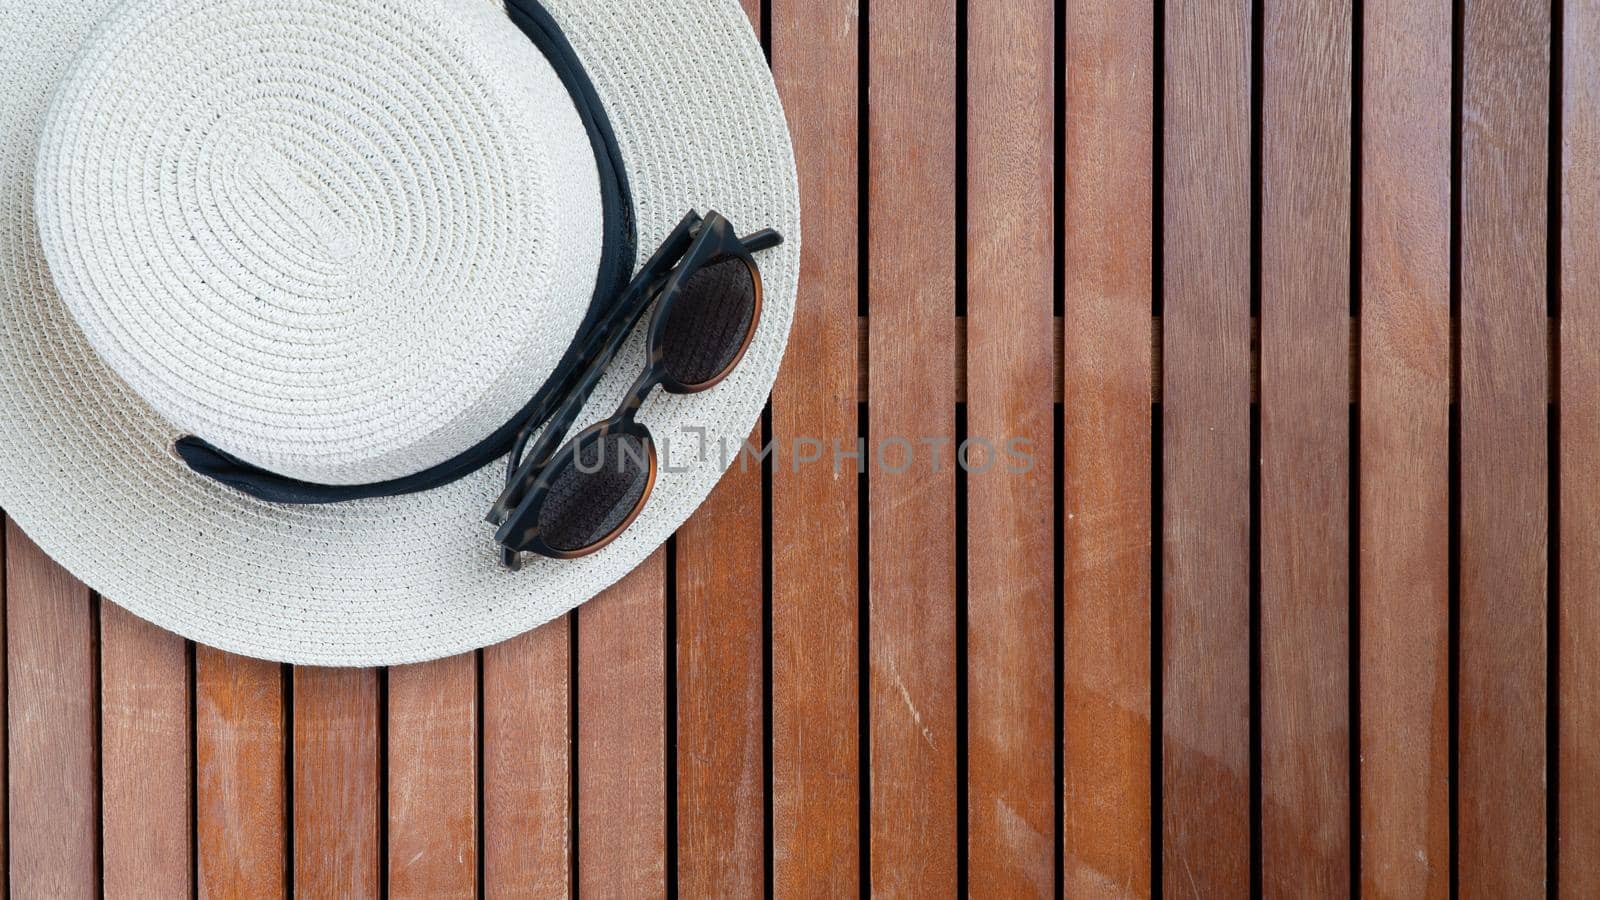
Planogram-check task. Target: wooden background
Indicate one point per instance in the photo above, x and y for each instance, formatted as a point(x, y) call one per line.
point(1298, 303)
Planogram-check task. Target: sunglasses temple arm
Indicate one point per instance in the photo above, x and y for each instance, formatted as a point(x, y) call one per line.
point(515, 524)
point(516, 519)
point(765, 239)
point(639, 294)
point(622, 319)
point(522, 461)
point(543, 414)
point(550, 440)
point(522, 471)
point(602, 347)
point(595, 348)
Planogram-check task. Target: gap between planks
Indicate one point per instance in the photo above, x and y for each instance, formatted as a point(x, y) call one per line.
point(1354, 341)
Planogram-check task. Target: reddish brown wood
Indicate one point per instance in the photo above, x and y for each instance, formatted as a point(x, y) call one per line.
point(527, 764)
point(621, 736)
point(5, 744)
point(1579, 399)
point(1404, 451)
point(336, 783)
point(239, 760)
point(1106, 528)
point(816, 784)
point(1305, 448)
point(1011, 796)
point(720, 690)
point(1404, 512)
point(144, 756)
point(50, 641)
point(1501, 742)
point(912, 180)
point(433, 772)
point(721, 783)
point(1206, 455)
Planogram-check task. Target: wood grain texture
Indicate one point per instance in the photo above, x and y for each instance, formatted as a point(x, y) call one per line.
point(5, 743)
point(433, 778)
point(622, 789)
point(1501, 743)
point(1106, 526)
point(1579, 803)
point(816, 782)
point(1404, 449)
point(145, 745)
point(721, 738)
point(1305, 447)
point(239, 758)
point(336, 783)
point(721, 799)
point(1579, 399)
point(1206, 451)
point(911, 486)
point(52, 780)
point(618, 795)
point(527, 764)
point(1010, 240)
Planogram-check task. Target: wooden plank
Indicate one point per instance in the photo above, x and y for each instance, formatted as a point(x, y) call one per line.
point(721, 735)
point(5, 744)
point(1579, 656)
point(240, 789)
point(622, 788)
point(1205, 758)
point(336, 782)
point(145, 745)
point(527, 764)
point(1011, 796)
point(816, 782)
point(1106, 527)
point(1501, 742)
point(721, 777)
point(911, 487)
point(1305, 447)
point(1404, 434)
point(433, 778)
point(52, 777)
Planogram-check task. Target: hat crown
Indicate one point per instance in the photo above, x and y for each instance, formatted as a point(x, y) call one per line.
point(343, 240)
point(296, 208)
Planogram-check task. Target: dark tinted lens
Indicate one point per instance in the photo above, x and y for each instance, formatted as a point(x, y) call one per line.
point(708, 321)
point(593, 495)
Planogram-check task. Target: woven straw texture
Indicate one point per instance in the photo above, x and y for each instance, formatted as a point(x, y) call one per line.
point(342, 241)
point(309, 240)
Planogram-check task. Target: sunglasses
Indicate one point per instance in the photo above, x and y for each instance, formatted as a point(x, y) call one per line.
point(566, 499)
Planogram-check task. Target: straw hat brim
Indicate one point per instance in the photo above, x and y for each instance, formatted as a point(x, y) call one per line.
point(87, 469)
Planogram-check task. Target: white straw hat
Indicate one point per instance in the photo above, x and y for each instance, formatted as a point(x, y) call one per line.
point(344, 243)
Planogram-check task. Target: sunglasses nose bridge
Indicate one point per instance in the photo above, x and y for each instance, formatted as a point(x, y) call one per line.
point(640, 392)
point(692, 267)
